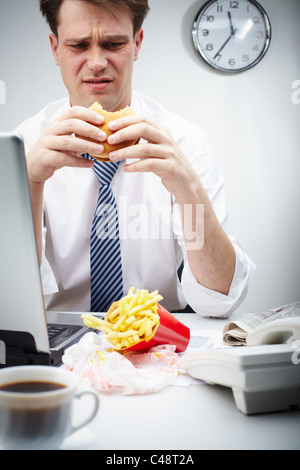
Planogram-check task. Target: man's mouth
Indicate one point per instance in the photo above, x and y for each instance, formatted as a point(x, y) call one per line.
point(97, 81)
point(98, 85)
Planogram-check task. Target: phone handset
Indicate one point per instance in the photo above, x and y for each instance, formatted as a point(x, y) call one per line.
point(275, 332)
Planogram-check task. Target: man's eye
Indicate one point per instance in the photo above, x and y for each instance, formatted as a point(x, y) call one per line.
point(114, 45)
point(79, 46)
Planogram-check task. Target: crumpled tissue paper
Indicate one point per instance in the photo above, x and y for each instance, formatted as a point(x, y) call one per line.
point(135, 373)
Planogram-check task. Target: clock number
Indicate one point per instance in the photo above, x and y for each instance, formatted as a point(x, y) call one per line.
point(209, 47)
point(255, 48)
point(231, 62)
point(205, 32)
point(234, 4)
point(210, 18)
point(257, 20)
point(260, 34)
point(219, 8)
point(246, 58)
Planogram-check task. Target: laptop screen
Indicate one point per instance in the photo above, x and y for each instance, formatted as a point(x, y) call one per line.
point(21, 298)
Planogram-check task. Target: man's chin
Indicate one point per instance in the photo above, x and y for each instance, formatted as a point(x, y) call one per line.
point(88, 101)
point(108, 102)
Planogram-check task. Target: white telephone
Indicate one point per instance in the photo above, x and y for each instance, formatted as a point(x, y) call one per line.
point(264, 375)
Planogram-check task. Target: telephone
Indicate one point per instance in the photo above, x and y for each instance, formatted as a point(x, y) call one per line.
point(264, 375)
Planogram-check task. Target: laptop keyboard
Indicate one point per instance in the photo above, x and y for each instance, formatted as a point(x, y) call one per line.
point(60, 333)
point(54, 330)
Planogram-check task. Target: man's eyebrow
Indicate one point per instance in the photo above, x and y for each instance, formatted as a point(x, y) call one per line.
point(105, 38)
point(116, 38)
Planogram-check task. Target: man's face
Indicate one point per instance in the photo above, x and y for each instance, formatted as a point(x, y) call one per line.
point(96, 51)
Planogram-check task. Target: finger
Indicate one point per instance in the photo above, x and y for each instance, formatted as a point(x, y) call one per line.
point(84, 114)
point(130, 121)
point(71, 144)
point(78, 127)
point(140, 151)
point(138, 131)
point(64, 159)
point(147, 165)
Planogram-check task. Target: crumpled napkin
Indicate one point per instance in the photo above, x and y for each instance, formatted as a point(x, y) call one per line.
point(136, 373)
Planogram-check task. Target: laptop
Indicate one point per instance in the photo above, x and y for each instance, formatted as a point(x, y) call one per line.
point(28, 334)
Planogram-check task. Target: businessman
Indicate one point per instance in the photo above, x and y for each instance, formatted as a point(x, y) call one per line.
point(170, 176)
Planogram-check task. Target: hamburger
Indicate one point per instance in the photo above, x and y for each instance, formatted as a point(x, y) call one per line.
point(110, 116)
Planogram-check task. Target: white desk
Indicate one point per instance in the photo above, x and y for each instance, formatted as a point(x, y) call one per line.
point(189, 418)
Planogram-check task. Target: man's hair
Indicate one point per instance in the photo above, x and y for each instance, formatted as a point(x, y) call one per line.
point(137, 10)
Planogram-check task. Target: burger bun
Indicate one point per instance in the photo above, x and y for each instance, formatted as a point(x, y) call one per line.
point(109, 117)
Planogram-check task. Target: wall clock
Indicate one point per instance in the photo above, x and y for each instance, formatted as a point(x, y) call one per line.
point(232, 36)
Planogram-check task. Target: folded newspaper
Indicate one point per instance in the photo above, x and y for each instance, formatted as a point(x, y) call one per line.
point(235, 333)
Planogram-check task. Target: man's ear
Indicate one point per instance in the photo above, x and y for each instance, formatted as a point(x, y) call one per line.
point(138, 39)
point(54, 47)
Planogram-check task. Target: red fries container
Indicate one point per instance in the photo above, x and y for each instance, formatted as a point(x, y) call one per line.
point(169, 331)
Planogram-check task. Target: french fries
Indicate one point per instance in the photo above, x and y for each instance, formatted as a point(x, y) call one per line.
point(130, 320)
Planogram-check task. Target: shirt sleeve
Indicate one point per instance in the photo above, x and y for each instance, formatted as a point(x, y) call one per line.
point(206, 302)
point(209, 303)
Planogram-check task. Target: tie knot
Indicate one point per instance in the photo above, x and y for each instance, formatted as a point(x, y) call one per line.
point(105, 171)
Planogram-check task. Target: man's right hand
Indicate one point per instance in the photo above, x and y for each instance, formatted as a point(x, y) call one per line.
point(59, 146)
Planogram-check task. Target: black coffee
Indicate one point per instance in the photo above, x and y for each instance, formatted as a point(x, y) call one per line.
point(31, 387)
point(22, 427)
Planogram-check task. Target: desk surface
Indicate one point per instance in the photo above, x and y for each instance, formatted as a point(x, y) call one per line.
point(189, 418)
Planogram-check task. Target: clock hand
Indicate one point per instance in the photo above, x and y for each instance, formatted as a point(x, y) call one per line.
point(222, 47)
point(233, 31)
point(232, 34)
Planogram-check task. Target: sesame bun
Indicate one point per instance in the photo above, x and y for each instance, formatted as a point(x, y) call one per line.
point(110, 116)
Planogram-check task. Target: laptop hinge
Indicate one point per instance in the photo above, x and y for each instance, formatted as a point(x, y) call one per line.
point(17, 348)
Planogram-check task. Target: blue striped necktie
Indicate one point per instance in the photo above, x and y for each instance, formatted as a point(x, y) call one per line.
point(105, 252)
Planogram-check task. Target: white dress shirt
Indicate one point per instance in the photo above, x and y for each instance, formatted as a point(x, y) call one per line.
point(151, 237)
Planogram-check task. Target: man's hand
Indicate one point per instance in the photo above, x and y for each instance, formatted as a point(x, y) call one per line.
point(57, 148)
point(159, 154)
point(60, 147)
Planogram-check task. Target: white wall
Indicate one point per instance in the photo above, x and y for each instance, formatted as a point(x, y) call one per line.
point(250, 118)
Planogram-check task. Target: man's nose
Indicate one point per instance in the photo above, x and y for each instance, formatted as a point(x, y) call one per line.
point(97, 59)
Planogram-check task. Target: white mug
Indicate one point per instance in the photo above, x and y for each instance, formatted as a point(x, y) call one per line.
point(35, 419)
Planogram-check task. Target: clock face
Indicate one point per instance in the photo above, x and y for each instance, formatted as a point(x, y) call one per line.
point(232, 36)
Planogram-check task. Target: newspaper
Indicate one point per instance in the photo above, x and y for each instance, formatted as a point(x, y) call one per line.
point(235, 333)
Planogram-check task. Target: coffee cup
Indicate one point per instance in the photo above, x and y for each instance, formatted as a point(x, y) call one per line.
point(36, 407)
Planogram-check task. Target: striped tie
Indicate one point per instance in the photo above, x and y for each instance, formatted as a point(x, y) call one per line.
point(106, 267)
